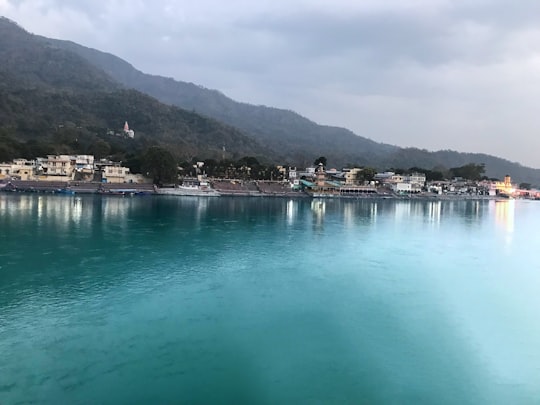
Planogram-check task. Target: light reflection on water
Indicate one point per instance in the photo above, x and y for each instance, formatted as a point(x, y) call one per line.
point(267, 300)
point(504, 214)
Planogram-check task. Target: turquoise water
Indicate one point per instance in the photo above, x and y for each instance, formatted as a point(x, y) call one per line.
point(162, 300)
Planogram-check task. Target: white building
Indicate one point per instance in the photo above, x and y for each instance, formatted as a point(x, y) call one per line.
point(128, 132)
point(417, 178)
point(84, 163)
point(401, 187)
point(66, 167)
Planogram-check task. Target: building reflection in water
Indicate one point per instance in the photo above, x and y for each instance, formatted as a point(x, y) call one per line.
point(202, 209)
point(434, 209)
point(355, 212)
point(349, 215)
point(291, 211)
point(402, 210)
point(115, 208)
point(504, 214)
point(318, 208)
point(64, 212)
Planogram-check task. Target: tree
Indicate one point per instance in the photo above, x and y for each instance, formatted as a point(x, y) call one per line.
point(320, 159)
point(431, 175)
point(470, 171)
point(160, 164)
point(99, 148)
point(37, 148)
point(397, 170)
point(248, 161)
point(525, 186)
point(366, 174)
point(5, 154)
point(134, 163)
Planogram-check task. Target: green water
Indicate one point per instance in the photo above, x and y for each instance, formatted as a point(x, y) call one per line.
point(167, 300)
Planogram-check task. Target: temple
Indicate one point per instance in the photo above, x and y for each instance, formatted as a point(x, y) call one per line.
point(128, 132)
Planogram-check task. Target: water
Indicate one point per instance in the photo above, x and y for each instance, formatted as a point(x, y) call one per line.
point(165, 300)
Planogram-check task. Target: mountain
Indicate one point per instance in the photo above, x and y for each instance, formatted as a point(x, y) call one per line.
point(35, 65)
point(495, 167)
point(99, 90)
point(285, 130)
point(55, 96)
point(303, 139)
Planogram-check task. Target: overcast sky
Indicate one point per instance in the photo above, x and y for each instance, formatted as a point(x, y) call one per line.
point(435, 74)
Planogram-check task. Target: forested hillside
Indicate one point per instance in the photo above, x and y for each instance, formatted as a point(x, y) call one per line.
point(54, 101)
point(298, 138)
point(53, 94)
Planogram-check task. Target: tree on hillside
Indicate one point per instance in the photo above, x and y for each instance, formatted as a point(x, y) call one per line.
point(397, 170)
point(6, 154)
point(431, 175)
point(99, 148)
point(134, 162)
point(249, 161)
point(366, 174)
point(470, 171)
point(320, 159)
point(160, 164)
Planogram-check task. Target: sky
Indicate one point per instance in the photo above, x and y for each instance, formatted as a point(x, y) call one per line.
point(434, 74)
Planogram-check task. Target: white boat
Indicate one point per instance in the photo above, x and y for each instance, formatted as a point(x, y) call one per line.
point(190, 187)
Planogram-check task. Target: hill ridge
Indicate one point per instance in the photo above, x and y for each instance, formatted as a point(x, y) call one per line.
point(280, 135)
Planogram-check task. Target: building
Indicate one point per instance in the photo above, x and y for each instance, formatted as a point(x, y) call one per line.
point(84, 167)
point(387, 178)
point(67, 167)
point(20, 169)
point(351, 175)
point(58, 168)
point(402, 187)
point(114, 172)
point(505, 187)
point(5, 171)
point(418, 179)
point(403, 183)
point(128, 132)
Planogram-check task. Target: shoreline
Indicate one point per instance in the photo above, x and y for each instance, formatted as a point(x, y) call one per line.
point(132, 190)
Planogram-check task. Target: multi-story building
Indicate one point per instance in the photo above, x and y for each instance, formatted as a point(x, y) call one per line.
point(58, 167)
point(351, 175)
point(21, 169)
point(403, 183)
point(417, 178)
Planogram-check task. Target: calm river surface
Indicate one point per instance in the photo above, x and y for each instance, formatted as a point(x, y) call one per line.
point(165, 300)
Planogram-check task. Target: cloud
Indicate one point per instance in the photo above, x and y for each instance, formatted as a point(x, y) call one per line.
point(429, 73)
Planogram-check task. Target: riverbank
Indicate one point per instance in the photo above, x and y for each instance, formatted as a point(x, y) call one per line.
point(225, 188)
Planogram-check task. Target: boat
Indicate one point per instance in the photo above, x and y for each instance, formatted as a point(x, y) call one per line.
point(190, 187)
point(66, 191)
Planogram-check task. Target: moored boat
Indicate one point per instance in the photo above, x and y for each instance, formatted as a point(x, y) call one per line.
point(190, 187)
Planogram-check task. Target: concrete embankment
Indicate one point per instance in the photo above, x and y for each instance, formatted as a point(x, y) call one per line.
point(76, 187)
point(224, 187)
